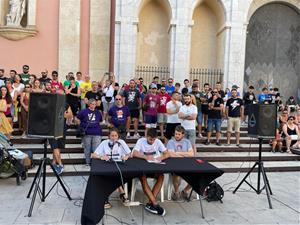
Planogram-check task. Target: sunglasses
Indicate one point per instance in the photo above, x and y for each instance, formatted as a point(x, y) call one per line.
point(118, 99)
point(27, 87)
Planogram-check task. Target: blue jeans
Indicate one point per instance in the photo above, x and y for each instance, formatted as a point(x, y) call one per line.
point(214, 123)
point(90, 142)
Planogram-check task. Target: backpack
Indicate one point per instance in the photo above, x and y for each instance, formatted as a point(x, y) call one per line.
point(214, 192)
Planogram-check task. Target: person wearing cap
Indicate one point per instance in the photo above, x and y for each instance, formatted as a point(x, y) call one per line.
point(150, 105)
point(233, 87)
point(264, 97)
point(198, 95)
point(170, 87)
point(155, 81)
point(164, 98)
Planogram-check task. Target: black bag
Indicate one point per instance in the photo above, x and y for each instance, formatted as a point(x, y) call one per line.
point(108, 99)
point(214, 192)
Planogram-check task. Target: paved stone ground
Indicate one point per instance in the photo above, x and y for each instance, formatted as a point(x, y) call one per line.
point(244, 207)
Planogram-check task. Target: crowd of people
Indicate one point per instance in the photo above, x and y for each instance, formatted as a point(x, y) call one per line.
point(181, 112)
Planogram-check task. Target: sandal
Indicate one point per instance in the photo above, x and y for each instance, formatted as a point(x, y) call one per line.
point(123, 198)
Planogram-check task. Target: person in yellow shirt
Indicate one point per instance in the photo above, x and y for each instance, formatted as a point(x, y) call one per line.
point(85, 86)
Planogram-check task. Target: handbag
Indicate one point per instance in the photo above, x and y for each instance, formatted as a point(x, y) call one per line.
point(82, 131)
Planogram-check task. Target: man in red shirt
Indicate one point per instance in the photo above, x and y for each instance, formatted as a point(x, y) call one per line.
point(56, 85)
point(164, 98)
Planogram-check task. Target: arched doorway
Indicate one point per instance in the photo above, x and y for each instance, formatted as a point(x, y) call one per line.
point(272, 49)
point(207, 41)
point(153, 39)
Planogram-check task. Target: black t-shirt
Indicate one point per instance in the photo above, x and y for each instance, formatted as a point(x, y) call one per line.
point(131, 98)
point(212, 113)
point(222, 93)
point(249, 98)
point(234, 107)
point(44, 80)
point(95, 95)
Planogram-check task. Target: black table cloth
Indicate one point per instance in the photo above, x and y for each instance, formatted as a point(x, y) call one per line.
point(105, 178)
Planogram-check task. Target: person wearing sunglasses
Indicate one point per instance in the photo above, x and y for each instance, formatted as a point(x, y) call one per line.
point(25, 75)
point(170, 87)
point(56, 85)
point(119, 116)
point(291, 133)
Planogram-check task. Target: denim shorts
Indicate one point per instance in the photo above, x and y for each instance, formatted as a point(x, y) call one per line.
point(199, 118)
point(214, 123)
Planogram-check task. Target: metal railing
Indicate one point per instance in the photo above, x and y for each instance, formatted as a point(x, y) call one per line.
point(148, 72)
point(211, 76)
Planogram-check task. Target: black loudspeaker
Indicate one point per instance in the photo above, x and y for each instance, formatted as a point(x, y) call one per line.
point(46, 115)
point(262, 119)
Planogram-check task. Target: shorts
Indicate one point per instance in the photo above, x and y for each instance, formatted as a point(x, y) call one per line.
point(204, 109)
point(107, 106)
point(170, 130)
point(190, 135)
point(135, 113)
point(57, 143)
point(234, 123)
point(162, 118)
point(150, 121)
point(199, 118)
point(214, 122)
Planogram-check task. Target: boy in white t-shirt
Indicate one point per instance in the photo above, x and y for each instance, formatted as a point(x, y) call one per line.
point(151, 149)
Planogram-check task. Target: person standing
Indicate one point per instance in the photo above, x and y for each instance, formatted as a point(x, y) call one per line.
point(84, 88)
point(24, 108)
point(188, 114)
point(44, 77)
point(132, 99)
point(198, 95)
point(150, 106)
point(173, 120)
point(164, 98)
point(234, 112)
point(2, 78)
point(25, 75)
point(119, 116)
point(95, 94)
point(215, 110)
point(249, 98)
point(204, 103)
point(72, 96)
point(170, 87)
point(89, 121)
point(56, 85)
point(108, 88)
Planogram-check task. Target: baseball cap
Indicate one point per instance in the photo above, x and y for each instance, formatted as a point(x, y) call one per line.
point(235, 86)
point(153, 86)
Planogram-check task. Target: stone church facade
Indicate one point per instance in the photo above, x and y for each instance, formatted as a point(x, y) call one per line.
point(244, 42)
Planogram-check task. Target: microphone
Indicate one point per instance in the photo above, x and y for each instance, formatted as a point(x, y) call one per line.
point(111, 145)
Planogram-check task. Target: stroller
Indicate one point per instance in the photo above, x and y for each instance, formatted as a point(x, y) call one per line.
point(11, 160)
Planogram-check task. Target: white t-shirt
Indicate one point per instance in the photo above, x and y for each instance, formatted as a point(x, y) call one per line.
point(173, 118)
point(20, 88)
point(117, 149)
point(108, 92)
point(189, 110)
point(144, 148)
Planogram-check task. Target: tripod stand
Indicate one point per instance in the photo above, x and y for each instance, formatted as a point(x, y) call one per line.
point(41, 174)
point(261, 170)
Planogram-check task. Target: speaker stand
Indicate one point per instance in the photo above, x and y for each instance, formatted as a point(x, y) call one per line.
point(41, 174)
point(261, 170)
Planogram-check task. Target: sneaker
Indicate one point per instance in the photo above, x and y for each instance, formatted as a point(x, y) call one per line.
point(237, 145)
point(227, 144)
point(136, 136)
point(107, 205)
point(200, 135)
point(124, 199)
point(184, 195)
point(128, 135)
point(207, 142)
point(175, 196)
point(218, 143)
point(59, 169)
point(155, 209)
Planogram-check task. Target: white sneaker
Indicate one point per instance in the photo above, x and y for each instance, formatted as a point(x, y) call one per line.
point(200, 135)
point(128, 135)
point(136, 135)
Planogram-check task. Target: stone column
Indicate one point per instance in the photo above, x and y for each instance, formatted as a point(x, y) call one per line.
point(31, 14)
point(69, 37)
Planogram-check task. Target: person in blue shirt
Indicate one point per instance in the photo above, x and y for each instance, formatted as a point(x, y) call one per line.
point(264, 97)
point(170, 87)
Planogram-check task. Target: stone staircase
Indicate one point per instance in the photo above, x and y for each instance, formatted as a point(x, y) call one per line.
point(229, 158)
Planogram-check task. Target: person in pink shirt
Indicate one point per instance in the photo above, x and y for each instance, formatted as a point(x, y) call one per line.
point(56, 85)
point(150, 105)
point(164, 98)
